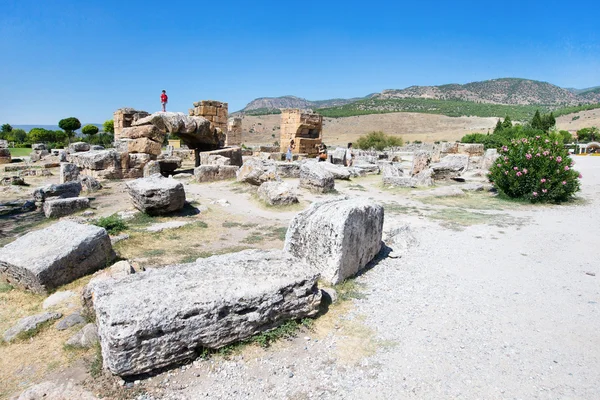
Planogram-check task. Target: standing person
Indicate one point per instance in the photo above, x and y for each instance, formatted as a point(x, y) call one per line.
point(322, 152)
point(288, 155)
point(164, 99)
point(349, 155)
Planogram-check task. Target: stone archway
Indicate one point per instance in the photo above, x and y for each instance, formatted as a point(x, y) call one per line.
point(592, 147)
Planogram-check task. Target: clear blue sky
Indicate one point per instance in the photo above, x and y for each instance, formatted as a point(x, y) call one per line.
point(86, 58)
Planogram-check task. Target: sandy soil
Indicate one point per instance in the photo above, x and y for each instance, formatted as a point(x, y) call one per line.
point(496, 299)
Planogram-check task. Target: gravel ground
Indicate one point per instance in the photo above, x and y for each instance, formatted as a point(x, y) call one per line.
point(486, 312)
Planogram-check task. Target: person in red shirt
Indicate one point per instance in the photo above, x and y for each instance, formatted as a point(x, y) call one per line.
point(163, 100)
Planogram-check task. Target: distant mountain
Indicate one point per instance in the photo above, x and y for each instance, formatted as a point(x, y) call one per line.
point(503, 91)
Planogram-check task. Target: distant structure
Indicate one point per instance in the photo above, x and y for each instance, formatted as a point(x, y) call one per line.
point(124, 117)
point(234, 132)
point(306, 128)
point(214, 111)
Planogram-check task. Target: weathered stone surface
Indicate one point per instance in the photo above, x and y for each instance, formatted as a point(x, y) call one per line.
point(12, 180)
point(421, 162)
point(96, 160)
point(60, 191)
point(96, 147)
point(288, 169)
point(338, 156)
point(338, 171)
point(70, 320)
point(316, 178)
point(55, 391)
point(38, 146)
point(89, 184)
point(338, 237)
point(5, 156)
point(212, 173)
point(489, 158)
point(143, 131)
point(141, 145)
point(256, 171)
point(394, 176)
point(151, 168)
point(86, 337)
point(367, 167)
point(169, 164)
point(451, 166)
point(28, 324)
point(16, 207)
point(156, 195)
point(234, 154)
point(61, 207)
point(471, 149)
point(57, 299)
point(147, 321)
point(79, 147)
point(62, 156)
point(48, 258)
point(423, 178)
point(116, 271)
point(218, 160)
point(277, 193)
point(37, 155)
point(68, 172)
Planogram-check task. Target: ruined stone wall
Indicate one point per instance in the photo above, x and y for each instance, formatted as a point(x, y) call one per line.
point(214, 111)
point(124, 117)
point(234, 132)
point(304, 127)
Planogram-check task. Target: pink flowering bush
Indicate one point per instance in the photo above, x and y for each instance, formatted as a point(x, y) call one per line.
point(536, 169)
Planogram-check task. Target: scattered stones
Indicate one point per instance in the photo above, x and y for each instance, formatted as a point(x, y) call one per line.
point(338, 237)
point(68, 172)
point(232, 154)
point(16, 207)
point(118, 238)
point(89, 184)
point(212, 173)
point(367, 168)
point(424, 178)
point(118, 270)
point(316, 178)
point(277, 193)
point(62, 207)
point(38, 146)
point(256, 172)
point(449, 167)
point(421, 162)
point(70, 320)
point(28, 324)
point(288, 169)
point(221, 202)
point(156, 195)
point(45, 259)
point(329, 295)
point(394, 176)
point(85, 338)
point(57, 191)
point(166, 225)
point(79, 147)
point(146, 321)
point(12, 180)
point(57, 299)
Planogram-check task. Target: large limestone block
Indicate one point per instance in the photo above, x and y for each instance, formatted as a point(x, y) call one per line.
point(162, 317)
point(277, 193)
point(338, 237)
point(421, 161)
point(472, 149)
point(79, 147)
point(143, 131)
point(168, 165)
point(212, 173)
point(449, 167)
point(394, 176)
point(489, 158)
point(316, 178)
point(338, 171)
point(234, 154)
point(68, 172)
point(45, 259)
point(5, 156)
point(256, 171)
point(151, 168)
point(57, 191)
point(62, 207)
point(141, 145)
point(96, 160)
point(156, 195)
point(287, 169)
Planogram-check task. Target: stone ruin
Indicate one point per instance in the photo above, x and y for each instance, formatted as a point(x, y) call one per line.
point(234, 132)
point(125, 117)
point(216, 112)
point(5, 157)
point(306, 128)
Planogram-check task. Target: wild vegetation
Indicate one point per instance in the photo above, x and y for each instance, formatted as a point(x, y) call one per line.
point(378, 141)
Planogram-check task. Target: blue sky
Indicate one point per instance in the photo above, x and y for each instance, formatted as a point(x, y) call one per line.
point(87, 58)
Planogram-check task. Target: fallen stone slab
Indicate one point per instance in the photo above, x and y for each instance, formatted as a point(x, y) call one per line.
point(315, 178)
point(116, 271)
point(394, 176)
point(89, 184)
point(164, 316)
point(233, 154)
point(16, 207)
point(57, 299)
point(62, 207)
point(338, 171)
point(70, 320)
point(96, 160)
point(85, 338)
point(79, 147)
point(368, 168)
point(45, 259)
point(449, 167)
point(168, 165)
point(338, 237)
point(256, 171)
point(156, 195)
point(68, 172)
point(166, 225)
point(57, 191)
point(213, 173)
point(28, 324)
point(277, 193)
point(288, 169)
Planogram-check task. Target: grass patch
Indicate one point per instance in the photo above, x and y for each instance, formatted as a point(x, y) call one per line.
point(229, 224)
point(26, 335)
point(5, 287)
point(476, 201)
point(254, 238)
point(395, 208)
point(95, 367)
point(458, 218)
point(278, 232)
point(19, 151)
point(348, 290)
point(113, 224)
point(141, 219)
point(357, 187)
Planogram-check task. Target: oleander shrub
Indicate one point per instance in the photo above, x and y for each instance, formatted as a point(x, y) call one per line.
point(537, 169)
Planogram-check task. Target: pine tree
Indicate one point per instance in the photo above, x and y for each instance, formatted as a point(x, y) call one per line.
point(536, 121)
point(498, 127)
point(507, 124)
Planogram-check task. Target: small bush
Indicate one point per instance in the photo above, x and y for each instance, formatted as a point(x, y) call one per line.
point(536, 169)
point(113, 224)
point(378, 141)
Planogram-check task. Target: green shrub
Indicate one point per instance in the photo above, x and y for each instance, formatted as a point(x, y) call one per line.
point(113, 224)
point(536, 169)
point(378, 141)
point(89, 129)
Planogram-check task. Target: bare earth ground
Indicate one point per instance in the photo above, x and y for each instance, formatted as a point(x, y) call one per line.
point(498, 299)
point(411, 126)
